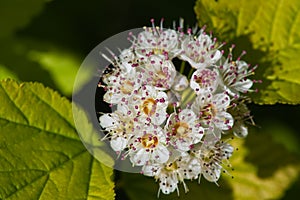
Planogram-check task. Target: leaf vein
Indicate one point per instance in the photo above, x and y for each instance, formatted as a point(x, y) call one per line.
point(57, 112)
point(275, 18)
point(15, 105)
point(47, 173)
point(41, 130)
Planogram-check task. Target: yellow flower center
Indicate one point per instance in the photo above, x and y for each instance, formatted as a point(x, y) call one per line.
point(181, 129)
point(208, 155)
point(158, 51)
point(149, 106)
point(208, 111)
point(149, 141)
point(127, 87)
point(171, 166)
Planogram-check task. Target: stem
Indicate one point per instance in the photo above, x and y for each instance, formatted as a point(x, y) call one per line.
point(190, 73)
point(182, 67)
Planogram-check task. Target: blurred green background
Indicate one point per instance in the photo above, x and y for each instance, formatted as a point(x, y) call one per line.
point(46, 41)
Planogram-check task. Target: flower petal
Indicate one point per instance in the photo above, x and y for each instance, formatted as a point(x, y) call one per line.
point(224, 121)
point(107, 121)
point(161, 154)
point(212, 174)
point(118, 143)
point(140, 157)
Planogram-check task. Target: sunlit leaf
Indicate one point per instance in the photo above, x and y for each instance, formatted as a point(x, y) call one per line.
point(270, 32)
point(6, 73)
point(41, 155)
point(61, 65)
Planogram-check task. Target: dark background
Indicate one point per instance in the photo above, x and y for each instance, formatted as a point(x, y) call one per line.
point(81, 25)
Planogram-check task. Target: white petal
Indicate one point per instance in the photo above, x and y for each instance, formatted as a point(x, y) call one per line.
point(145, 39)
point(151, 170)
point(150, 90)
point(193, 83)
point(204, 37)
point(212, 175)
point(211, 137)
point(224, 121)
point(161, 155)
point(118, 143)
point(168, 184)
point(159, 117)
point(140, 157)
point(162, 95)
point(243, 86)
point(217, 56)
point(107, 121)
point(197, 134)
point(111, 97)
point(242, 66)
point(183, 145)
point(240, 130)
point(170, 40)
point(222, 101)
point(180, 83)
point(187, 115)
point(193, 169)
point(174, 154)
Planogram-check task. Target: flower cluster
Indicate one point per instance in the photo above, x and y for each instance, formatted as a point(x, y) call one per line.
point(170, 140)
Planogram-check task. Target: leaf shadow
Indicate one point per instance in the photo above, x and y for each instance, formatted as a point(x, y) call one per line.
point(266, 154)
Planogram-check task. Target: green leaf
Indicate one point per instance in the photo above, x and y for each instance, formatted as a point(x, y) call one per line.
point(41, 155)
point(263, 169)
point(269, 31)
point(6, 73)
point(15, 14)
point(61, 65)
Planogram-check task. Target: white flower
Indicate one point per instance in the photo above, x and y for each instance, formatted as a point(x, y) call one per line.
point(239, 129)
point(150, 105)
point(170, 126)
point(166, 174)
point(126, 58)
point(120, 126)
point(183, 130)
point(200, 52)
point(120, 86)
point(150, 146)
point(159, 72)
point(234, 76)
point(158, 41)
point(212, 155)
point(203, 80)
point(121, 63)
point(212, 110)
point(172, 173)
